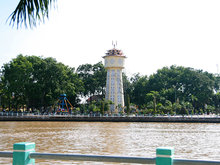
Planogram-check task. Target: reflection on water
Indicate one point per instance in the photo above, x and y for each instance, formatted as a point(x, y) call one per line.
point(192, 141)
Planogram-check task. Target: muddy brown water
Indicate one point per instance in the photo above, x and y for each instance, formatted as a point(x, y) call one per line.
point(190, 140)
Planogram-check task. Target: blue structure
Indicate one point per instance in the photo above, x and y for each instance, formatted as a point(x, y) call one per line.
point(63, 103)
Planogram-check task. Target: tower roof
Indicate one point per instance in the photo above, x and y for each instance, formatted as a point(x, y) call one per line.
point(114, 52)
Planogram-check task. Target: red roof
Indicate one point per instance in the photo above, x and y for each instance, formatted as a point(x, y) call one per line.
point(114, 52)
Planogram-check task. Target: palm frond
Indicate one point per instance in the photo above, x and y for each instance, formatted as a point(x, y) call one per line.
point(29, 12)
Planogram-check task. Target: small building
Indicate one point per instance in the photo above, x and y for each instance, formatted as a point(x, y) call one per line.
point(96, 98)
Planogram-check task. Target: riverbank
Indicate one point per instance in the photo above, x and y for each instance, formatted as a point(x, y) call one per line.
point(188, 119)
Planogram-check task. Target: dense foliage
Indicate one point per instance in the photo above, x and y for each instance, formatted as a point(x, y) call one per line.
point(94, 78)
point(36, 83)
point(177, 90)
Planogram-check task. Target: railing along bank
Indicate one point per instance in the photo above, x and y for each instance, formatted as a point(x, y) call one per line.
point(106, 115)
point(24, 154)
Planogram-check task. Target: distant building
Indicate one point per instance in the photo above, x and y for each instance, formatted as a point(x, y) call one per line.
point(94, 98)
point(114, 63)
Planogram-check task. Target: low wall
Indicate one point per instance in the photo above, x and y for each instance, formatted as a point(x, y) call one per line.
point(112, 119)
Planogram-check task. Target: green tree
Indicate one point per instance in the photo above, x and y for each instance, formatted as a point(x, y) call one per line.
point(139, 89)
point(93, 77)
point(153, 96)
point(16, 76)
point(99, 74)
point(102, 107)
point(37, 82)
point(127, 104)
point(127, 87)
point(183, 83)
point(92, 106)
point(216, 102)
point(184, 109)
point(168, 107)
point(107, 105)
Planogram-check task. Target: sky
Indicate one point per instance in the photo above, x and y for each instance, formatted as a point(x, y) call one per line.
point(151, 33)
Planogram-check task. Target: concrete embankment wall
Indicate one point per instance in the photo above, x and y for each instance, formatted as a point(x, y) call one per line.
point(112, 119)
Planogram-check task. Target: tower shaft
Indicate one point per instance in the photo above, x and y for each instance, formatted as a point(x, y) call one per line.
point(114, 86)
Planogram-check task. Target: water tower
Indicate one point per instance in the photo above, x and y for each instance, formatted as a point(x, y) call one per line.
point(114, 63)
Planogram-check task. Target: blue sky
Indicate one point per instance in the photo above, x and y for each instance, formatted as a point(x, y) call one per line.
point(152, 34)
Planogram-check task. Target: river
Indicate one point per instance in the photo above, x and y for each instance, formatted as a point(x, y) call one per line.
point(190, 140)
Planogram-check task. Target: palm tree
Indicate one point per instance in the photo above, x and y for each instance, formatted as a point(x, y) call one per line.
point(30, 12)
point(155, 95)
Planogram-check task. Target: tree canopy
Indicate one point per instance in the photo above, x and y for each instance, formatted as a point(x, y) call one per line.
point(37, 82)
point(94, 78)
point(175, 87)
